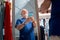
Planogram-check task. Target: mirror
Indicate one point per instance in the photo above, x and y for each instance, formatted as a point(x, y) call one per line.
point(27, 5)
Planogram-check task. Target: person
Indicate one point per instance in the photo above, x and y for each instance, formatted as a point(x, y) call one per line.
point(54, 22)
point(26, 26)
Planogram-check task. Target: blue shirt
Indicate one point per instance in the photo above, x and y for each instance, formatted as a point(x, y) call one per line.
point(27, 33)
point(54, 22)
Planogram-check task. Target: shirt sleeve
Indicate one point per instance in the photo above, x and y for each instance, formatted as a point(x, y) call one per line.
point(18, 22)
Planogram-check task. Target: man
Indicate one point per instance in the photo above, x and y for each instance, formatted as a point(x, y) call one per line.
point(26, 26)
point(54, 22)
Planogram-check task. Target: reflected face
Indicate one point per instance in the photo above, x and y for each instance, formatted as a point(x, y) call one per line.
point(24, 13)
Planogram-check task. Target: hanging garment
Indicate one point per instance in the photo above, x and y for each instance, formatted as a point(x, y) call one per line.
point(1, 20)
point(7, 23)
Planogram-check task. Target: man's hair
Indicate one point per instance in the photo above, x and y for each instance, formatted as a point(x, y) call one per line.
point(24, 10)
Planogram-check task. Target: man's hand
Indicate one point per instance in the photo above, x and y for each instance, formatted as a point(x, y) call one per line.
point(32, 18)
point(33, 21)
point(28, 20)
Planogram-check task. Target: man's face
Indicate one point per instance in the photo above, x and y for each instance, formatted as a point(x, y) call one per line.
point(24, 13)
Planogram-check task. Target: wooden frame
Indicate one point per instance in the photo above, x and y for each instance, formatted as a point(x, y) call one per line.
point(37, 16)
point(13, 19)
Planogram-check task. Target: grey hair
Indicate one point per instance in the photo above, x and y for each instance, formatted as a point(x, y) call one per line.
point(24, 10)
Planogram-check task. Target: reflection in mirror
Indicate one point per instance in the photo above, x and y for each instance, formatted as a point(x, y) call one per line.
point(25, 20)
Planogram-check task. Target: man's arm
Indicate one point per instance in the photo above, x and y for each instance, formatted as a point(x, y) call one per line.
point(44, 6)
point(19, 27)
